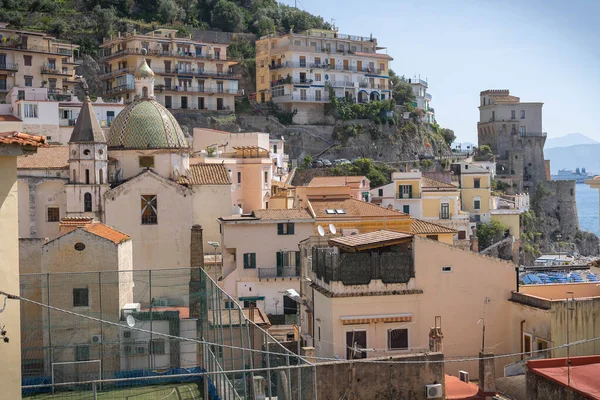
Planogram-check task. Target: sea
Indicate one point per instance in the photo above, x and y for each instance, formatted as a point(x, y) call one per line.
point(587, 208)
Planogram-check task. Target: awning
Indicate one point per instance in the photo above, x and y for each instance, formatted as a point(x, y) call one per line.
point(255, 298)
point(367, 319)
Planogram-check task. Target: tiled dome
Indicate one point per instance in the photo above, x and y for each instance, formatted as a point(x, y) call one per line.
point(145, 124)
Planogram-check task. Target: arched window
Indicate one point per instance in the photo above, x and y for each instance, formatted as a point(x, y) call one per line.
point(144, 92)
point(74, 176)
point(87, 176)
point(87, 202)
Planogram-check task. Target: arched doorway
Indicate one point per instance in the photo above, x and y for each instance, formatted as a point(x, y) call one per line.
point(375, 96)
point(363, 97)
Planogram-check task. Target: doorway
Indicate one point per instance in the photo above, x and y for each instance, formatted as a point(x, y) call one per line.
point(356, 340)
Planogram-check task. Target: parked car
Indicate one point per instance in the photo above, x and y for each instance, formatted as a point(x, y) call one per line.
point(316, 164)
point(426, 157)
point(327, 163)
point(341, 161)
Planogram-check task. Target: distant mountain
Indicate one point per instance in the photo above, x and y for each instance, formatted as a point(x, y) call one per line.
point(571, 157)
point(570, 139)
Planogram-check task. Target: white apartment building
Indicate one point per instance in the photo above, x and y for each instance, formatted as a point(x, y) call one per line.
point(296, 71)
point(189, 74)
point(422, 98)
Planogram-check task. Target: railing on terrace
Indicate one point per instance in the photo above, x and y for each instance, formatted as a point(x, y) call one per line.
point(428, 96)
point(291, 82)
point(195, 89)
point(340, 83)
point(9, 67)
point(417, 80)
point(115, 72)
point(367, 85)
point(41, 49)
point(299, 97)
point(53, 70)
point(119, 89)
point(278, 272)
point(408, 195)
point(106, 54)
point(193, 105)
point(531, 134)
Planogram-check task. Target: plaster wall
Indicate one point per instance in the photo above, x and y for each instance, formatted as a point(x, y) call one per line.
point(209, 203)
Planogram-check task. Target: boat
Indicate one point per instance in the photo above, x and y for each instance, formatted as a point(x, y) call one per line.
point(579, 175)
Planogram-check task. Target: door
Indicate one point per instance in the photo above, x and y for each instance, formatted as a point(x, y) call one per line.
point(332, 63)
point(201, 103)
point(289, 306)
point(359, 65)
point(219, 103)
point(445, 211)
point(356, 340)
point(167, 66)
point(184, 102)
point(168, 102)
point(346, 65)
point(303, 94)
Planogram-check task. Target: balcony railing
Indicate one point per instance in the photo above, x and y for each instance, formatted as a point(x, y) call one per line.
point(195, 89)
point(194, 72)
point(9, 67)
point(40, 49)
point(340, 84)
point(66, 122)
point(119, 89)
point(106, 54)
point(291, 82)
point(445, 215)
point(288, 98)
point(408, 195)
point(109, 74)
point(278, 272)
point(366, 85)
point(53, 70)
point(350, 68)
point(428, 96)
point(417, 80)
point(531, 134)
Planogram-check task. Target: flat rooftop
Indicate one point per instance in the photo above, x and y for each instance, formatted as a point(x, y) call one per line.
point(584, 373)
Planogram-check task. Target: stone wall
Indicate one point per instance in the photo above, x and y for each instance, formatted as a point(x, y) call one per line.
point(541, 388)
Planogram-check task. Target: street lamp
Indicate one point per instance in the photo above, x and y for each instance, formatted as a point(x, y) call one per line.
point(215, 245)
point(294, 295)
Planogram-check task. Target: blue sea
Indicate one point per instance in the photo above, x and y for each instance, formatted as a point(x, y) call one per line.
point(587, 208)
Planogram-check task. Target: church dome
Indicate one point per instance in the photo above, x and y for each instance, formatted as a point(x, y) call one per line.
point(146, 124)
point(143, 70)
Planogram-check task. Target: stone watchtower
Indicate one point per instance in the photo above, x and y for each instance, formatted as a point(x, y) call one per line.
point(88, 165)
point(513, 130)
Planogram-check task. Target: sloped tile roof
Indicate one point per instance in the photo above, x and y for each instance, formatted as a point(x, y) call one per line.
point(434, 183)
point(206, 174)
point(283, 214)
point(9, 118)
point(353, 208)
point(106, 232)
point(78, 222)
point(23, 139)
point(381, 237)
point(423, 227)
point(319, 181)
point(53, 157)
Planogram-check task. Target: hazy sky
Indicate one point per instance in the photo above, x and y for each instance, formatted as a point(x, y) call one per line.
point(546, 51)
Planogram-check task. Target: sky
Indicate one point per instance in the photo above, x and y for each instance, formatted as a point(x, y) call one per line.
point(541, 50)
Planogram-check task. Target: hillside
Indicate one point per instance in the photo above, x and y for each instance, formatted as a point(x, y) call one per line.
point(570, 139)
point(571, 157)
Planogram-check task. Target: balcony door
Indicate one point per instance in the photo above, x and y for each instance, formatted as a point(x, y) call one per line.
point(445, 211)
point(355, 341)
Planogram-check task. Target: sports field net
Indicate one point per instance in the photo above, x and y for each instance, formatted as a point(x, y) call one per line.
point(154, 335)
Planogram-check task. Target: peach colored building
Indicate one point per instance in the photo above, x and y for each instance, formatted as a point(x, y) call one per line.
point(12, 145)
point(359, 185)
point(379, 294)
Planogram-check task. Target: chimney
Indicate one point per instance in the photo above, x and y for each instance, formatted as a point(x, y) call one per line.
point(487, 374)
point(196, 267)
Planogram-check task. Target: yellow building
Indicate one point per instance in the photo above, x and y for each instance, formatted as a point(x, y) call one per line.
point(189, 74)
point(296, 71)
point(475, 190)
point(12, 145)
point(35, 59)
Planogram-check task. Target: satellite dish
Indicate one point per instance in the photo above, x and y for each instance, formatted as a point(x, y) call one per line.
point(321, 230)
point(332, 229)
point(130, 321)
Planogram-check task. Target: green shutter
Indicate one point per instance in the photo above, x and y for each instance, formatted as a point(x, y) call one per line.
point(298, 263)
point(280, 229)
point(410, 192)
point(290, 228)
point(246, 260)
point(253, 262)
point(279, 259)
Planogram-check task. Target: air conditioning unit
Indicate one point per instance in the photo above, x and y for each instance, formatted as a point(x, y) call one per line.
point(96, 339)
point(434, 391)
point(463, 376)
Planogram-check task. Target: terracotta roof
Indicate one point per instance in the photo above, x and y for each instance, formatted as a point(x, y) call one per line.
point(106, 232)
point(280, 184)
point(583, 372)
point(206, 174)
point(352, 209)
point(433, 183)
point(423, 227)
point(282, 214)
point(319, 181)
point(9, 118)
point(53, 157)
point(459, 390)
point(24, 139)
point(377, 238)
point(76, 221)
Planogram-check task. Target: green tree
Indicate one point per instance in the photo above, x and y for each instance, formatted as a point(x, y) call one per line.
point(169, 11)
point(401, 90)
point(105, 19)
point(227, 16)
point(448, 135)
point(490, 233)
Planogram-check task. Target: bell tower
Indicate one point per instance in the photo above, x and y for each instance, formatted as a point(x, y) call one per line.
point(144, 79)
point(88, 164)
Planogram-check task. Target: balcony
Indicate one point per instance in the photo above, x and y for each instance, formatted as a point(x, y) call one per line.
point(109, 74)
point(119, 89)
point(51, 69)
point(106, 54)
point(533, 134)
point(291, 82)
point(9, 67)
point(38, 49)
point(278, 272)
point(66, 122)
point(428, 96)
point(196, 89)
point(57, 94)
point(366, 85)
point(290, 98)
point(340, 84)
point(418, 81)
point(404, 196)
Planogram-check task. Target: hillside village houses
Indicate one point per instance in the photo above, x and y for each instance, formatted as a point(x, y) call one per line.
point(422, 98)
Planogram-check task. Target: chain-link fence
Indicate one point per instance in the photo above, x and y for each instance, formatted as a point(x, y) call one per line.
point(157, 334)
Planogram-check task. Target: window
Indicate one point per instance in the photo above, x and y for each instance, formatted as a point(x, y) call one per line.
point(287, 259)
point(239, 178)
point(493, 115)
point(87, 176)
point(302, 61)
point(445, 211)
point(522, 130)
point(101, 173)
point(266, 173)
point(380, 192)
point(53, 214)
point(406, 209)
point(149, 209)
point(477, 183)
point(87, 202)
point(82, 352)
point(146, 161)
point(405, 192)
point(462, 234)
point(28, 80)
point(317, 95)
point(355, 342)
point(81, 297)
point(446, 269)
point(513, 114)
point(542, 344)
point(249, 260)
point(285, 228)
point(27, 60)
point(30, 111)
point(317, 77)
point(477, 203)
point(397, 339)
point(432, 237)
point(157, 346)
point(522, 114)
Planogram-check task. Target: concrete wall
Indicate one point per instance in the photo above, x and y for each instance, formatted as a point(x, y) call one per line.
point(541, 388)
point(10, 353)
point(208, 204)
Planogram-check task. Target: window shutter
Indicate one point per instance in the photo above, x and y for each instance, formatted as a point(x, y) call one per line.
point(280, 229)
point(290, 228)
point(253, 261)
point(298, 263)
point(279, 259)
point(410, 191)
point(245, 260)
